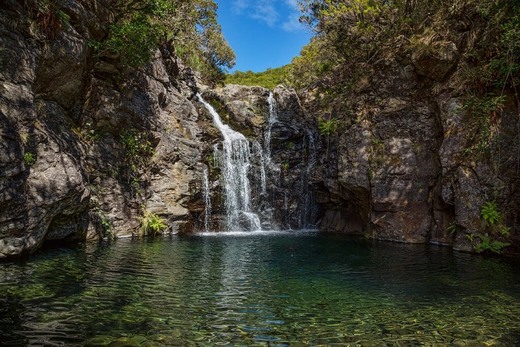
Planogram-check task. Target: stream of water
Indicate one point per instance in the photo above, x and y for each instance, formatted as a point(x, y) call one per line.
point(234, 161)
point(263, 288)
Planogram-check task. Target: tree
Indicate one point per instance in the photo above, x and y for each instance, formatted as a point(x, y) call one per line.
point(188, 28)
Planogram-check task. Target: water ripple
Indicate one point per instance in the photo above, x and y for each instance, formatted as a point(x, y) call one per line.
point(275, 289)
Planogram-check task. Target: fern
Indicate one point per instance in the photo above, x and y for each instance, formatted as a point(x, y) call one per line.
point(489, 213)
point(152, 224)
point(488, 244)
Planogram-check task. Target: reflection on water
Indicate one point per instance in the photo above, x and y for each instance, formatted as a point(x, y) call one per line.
point(259, 289)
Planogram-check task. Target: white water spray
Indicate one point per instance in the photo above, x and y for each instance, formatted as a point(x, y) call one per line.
point(207, 198)
point(234, 161)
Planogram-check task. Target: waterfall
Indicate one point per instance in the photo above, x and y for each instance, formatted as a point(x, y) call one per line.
point(233, 159)
point(207, 198)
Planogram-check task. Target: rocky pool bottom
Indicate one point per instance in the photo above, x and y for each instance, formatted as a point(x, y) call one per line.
point(277, 289)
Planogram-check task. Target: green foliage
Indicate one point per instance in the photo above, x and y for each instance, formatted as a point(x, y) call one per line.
point(106, 224)
point(133, 39)
point(136, 145)
point(488, 244)
point(328, 127)
point(29, 158)
point(152, 224)
point(497, 232)
point(348, 35)
point(352, 36)
point(489, 213)
point(189, 28)
point(267, 79)
point(317, 63)
point(452, 228)
point(483, 113)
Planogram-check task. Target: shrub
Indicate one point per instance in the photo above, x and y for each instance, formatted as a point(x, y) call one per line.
point(488, 244)
point(328, 127)
point(497, 232)
point(138, 150)
point(489, 213)
point(29, 158)
point(187, 28)
point(152, 224)
point(267, 79)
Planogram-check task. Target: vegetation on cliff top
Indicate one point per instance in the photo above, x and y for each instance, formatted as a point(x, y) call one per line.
point(267, 79)
point(187, 28)
point(356, 38)
point(352, 34)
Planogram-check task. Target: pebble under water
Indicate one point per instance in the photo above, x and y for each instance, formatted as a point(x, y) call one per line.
point(268, 288)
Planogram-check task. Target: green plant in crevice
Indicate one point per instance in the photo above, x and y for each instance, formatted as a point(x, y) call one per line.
point(328, 127)
point(452, 228)
point(487, 243)
point(106, 226)
point(152, 224)
point(493, 240)
point(29, 158)
point(489, 213)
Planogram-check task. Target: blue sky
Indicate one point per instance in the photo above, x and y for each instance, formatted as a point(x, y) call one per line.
point(263, 33)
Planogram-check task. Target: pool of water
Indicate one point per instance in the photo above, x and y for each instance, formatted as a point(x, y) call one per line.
point(272, 289)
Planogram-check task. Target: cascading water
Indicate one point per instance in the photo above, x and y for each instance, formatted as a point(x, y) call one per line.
point(270, 172)
point(207, 198)
point(233, 159)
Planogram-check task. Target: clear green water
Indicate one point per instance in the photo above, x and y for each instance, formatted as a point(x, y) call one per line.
point(270, 289)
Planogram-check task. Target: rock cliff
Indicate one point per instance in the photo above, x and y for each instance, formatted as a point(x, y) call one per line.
point(404, 165)
point(88, 144)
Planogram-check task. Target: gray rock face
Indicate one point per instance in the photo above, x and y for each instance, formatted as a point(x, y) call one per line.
point(66, 172)
point(402, 167)
point(88, 145)
point(287, 200)
point(436, 60)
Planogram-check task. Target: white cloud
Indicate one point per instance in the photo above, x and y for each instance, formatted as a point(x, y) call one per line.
point(268, 12)
point(265, 11)
point(239, 6)
point(292, 4)
point(292, 23)
point(261, 10)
